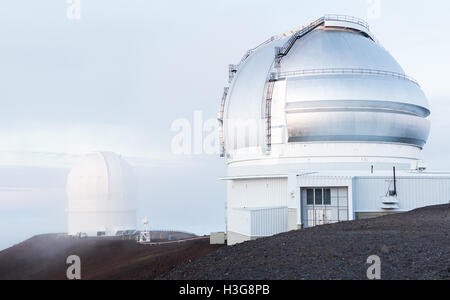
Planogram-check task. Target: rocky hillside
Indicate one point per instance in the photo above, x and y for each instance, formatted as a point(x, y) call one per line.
point(44, 257)
point(413, 245)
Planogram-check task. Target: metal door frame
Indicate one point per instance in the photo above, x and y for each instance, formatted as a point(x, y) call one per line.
point(304, 207)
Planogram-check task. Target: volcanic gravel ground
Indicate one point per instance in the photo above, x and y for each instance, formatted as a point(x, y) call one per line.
point(44, 257)
point(413, 245)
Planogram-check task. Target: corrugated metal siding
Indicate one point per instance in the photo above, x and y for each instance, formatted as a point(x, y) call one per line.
point(267, 222)
point(258, 222)
point(413, 192)
point(250, 206)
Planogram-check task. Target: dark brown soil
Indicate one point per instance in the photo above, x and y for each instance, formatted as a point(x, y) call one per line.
point(413, 245)
point(44, 257)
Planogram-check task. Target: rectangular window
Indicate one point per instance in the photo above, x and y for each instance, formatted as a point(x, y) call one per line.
point(318, 196)
point(309, 197)
point(327, 196)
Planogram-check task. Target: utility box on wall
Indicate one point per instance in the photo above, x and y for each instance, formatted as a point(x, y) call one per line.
point(217, 238)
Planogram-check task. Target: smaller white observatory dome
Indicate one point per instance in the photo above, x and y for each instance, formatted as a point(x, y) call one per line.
point(101, 190)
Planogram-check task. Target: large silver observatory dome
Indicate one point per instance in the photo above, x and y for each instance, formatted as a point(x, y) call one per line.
point(332, 81)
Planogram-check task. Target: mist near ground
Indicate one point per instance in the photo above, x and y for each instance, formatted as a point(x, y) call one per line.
point(118, 77)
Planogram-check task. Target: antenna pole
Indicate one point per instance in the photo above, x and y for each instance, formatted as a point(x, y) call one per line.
point(395, 184)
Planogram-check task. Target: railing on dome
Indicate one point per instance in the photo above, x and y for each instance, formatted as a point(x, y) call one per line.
point(337, 71)
point(234, 68)
point(283, 51)
point(304, 30)
point(333, 17)
point(249, 52)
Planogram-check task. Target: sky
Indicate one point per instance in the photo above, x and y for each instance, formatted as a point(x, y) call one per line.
point(118, 76)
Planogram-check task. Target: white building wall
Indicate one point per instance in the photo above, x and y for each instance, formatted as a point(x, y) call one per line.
point(412, 192)
point(270, 192)
point(258, 195)
point(239, 221)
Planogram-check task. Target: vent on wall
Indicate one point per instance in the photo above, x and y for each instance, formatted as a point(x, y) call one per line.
point(389, 202)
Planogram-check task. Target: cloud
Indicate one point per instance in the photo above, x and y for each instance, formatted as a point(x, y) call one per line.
point(27, 199)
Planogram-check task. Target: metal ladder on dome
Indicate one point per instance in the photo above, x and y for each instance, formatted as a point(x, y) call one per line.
point(268, 114)
point(220, 119)
point(280, 52)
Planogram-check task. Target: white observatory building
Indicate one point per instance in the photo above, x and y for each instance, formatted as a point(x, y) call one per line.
point(322, 125)
point(102, 199)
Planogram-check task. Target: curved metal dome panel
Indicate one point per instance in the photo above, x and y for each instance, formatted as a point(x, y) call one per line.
point(356, 126)
point(338, 48)
point(244, 109)
point(341, 86)
point(363, 89)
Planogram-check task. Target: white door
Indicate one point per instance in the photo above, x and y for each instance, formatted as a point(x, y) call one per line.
point(324, 205)
point(311, 218)
point(319, 216)
point(323, 216)
point(327, 216)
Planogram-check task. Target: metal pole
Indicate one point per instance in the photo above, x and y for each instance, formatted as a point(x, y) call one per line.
point(395, 184)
